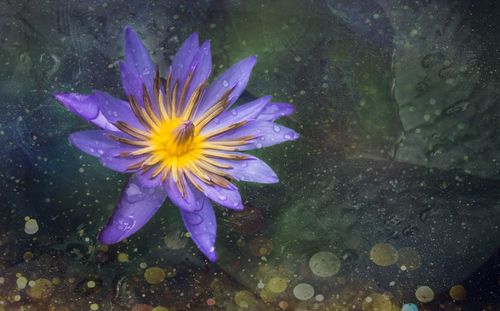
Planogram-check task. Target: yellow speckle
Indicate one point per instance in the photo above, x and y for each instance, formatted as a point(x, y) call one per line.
point(31, 226)
point(277, 284)
point(28, 256)
point(160, 309)
point(457, 292)
point(104, 248)
point(94, 307)
point(21, 282)
point(424, 294)
point(17, 297)
point(90, 284)
point(122, 257)
point(154, 275)
point(42, 289)
point(244, 299)
point(409, 258)
point(384, 254)
point(187, 235)
point(324, 264)
point(56, 281)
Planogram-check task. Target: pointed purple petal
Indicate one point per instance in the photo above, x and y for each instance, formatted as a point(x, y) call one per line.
point(136, 207)
point(93, 142)
point(267, 134)
point(97, 143)
point(236, 76)
point(201, 67)
point(246, 112)
point(229, 198)
point(251, 170)
point(138, 68)
point(184, 57)
point(273, 111)
point(190, 202)
point(202, 226)
point(112, 160)
point(100, 108)
point(146, 179)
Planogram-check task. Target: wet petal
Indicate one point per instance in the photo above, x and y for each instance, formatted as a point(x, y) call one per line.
point(112, 159)
point(245, 112)
point(202, 226)
point(184, 57)
point(229, 198)
point(100, 108)
point(136, 207)
point(93, 142)
point(190, 202)
point(138, 68)
point(147, 180)
point(98, 144)
point(201, 67)
point(273, 111)
point(251, 170)
point(236, 76)
point(267, 134)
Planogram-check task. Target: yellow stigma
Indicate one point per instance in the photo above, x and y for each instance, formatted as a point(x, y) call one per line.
point(175, 141)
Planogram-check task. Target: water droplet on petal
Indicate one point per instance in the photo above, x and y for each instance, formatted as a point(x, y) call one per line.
point(287, 137)
point(234, 112)
point(225, 83)
point(222, 197)
point(276, 128)
point(259, 145)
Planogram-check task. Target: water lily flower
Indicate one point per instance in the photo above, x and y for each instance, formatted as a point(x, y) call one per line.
point(178, 137)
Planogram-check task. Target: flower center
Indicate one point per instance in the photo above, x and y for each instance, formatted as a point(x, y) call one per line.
point(175, 140)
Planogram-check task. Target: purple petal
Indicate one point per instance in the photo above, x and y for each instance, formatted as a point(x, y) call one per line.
point(136, 207)
point(229, 198)
point(98, 144)
point(190, 202)
point(273, 111)
point(251, 170)
point(191, 58)
point(112, 160)
point(267, 134)
point(93, 142)
point(201, 67)
point(246, 112)
point(100, 108)
point(138, 68)
point(202, 226)
point(146, 180)
point(237, 76)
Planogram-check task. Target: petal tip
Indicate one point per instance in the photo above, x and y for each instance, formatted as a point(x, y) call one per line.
point(108, 236)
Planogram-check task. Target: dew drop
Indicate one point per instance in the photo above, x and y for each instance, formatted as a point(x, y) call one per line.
point(234, 112)
point(259, 145)
point(225, 83)
point(222, 197)
point(277, 128)
point(287, 136)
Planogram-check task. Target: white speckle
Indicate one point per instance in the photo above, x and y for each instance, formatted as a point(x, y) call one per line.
point(319, 298)
point(31, 226)
point(260, 285)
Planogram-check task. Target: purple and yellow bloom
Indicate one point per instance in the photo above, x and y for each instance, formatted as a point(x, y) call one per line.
point(178, 138)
